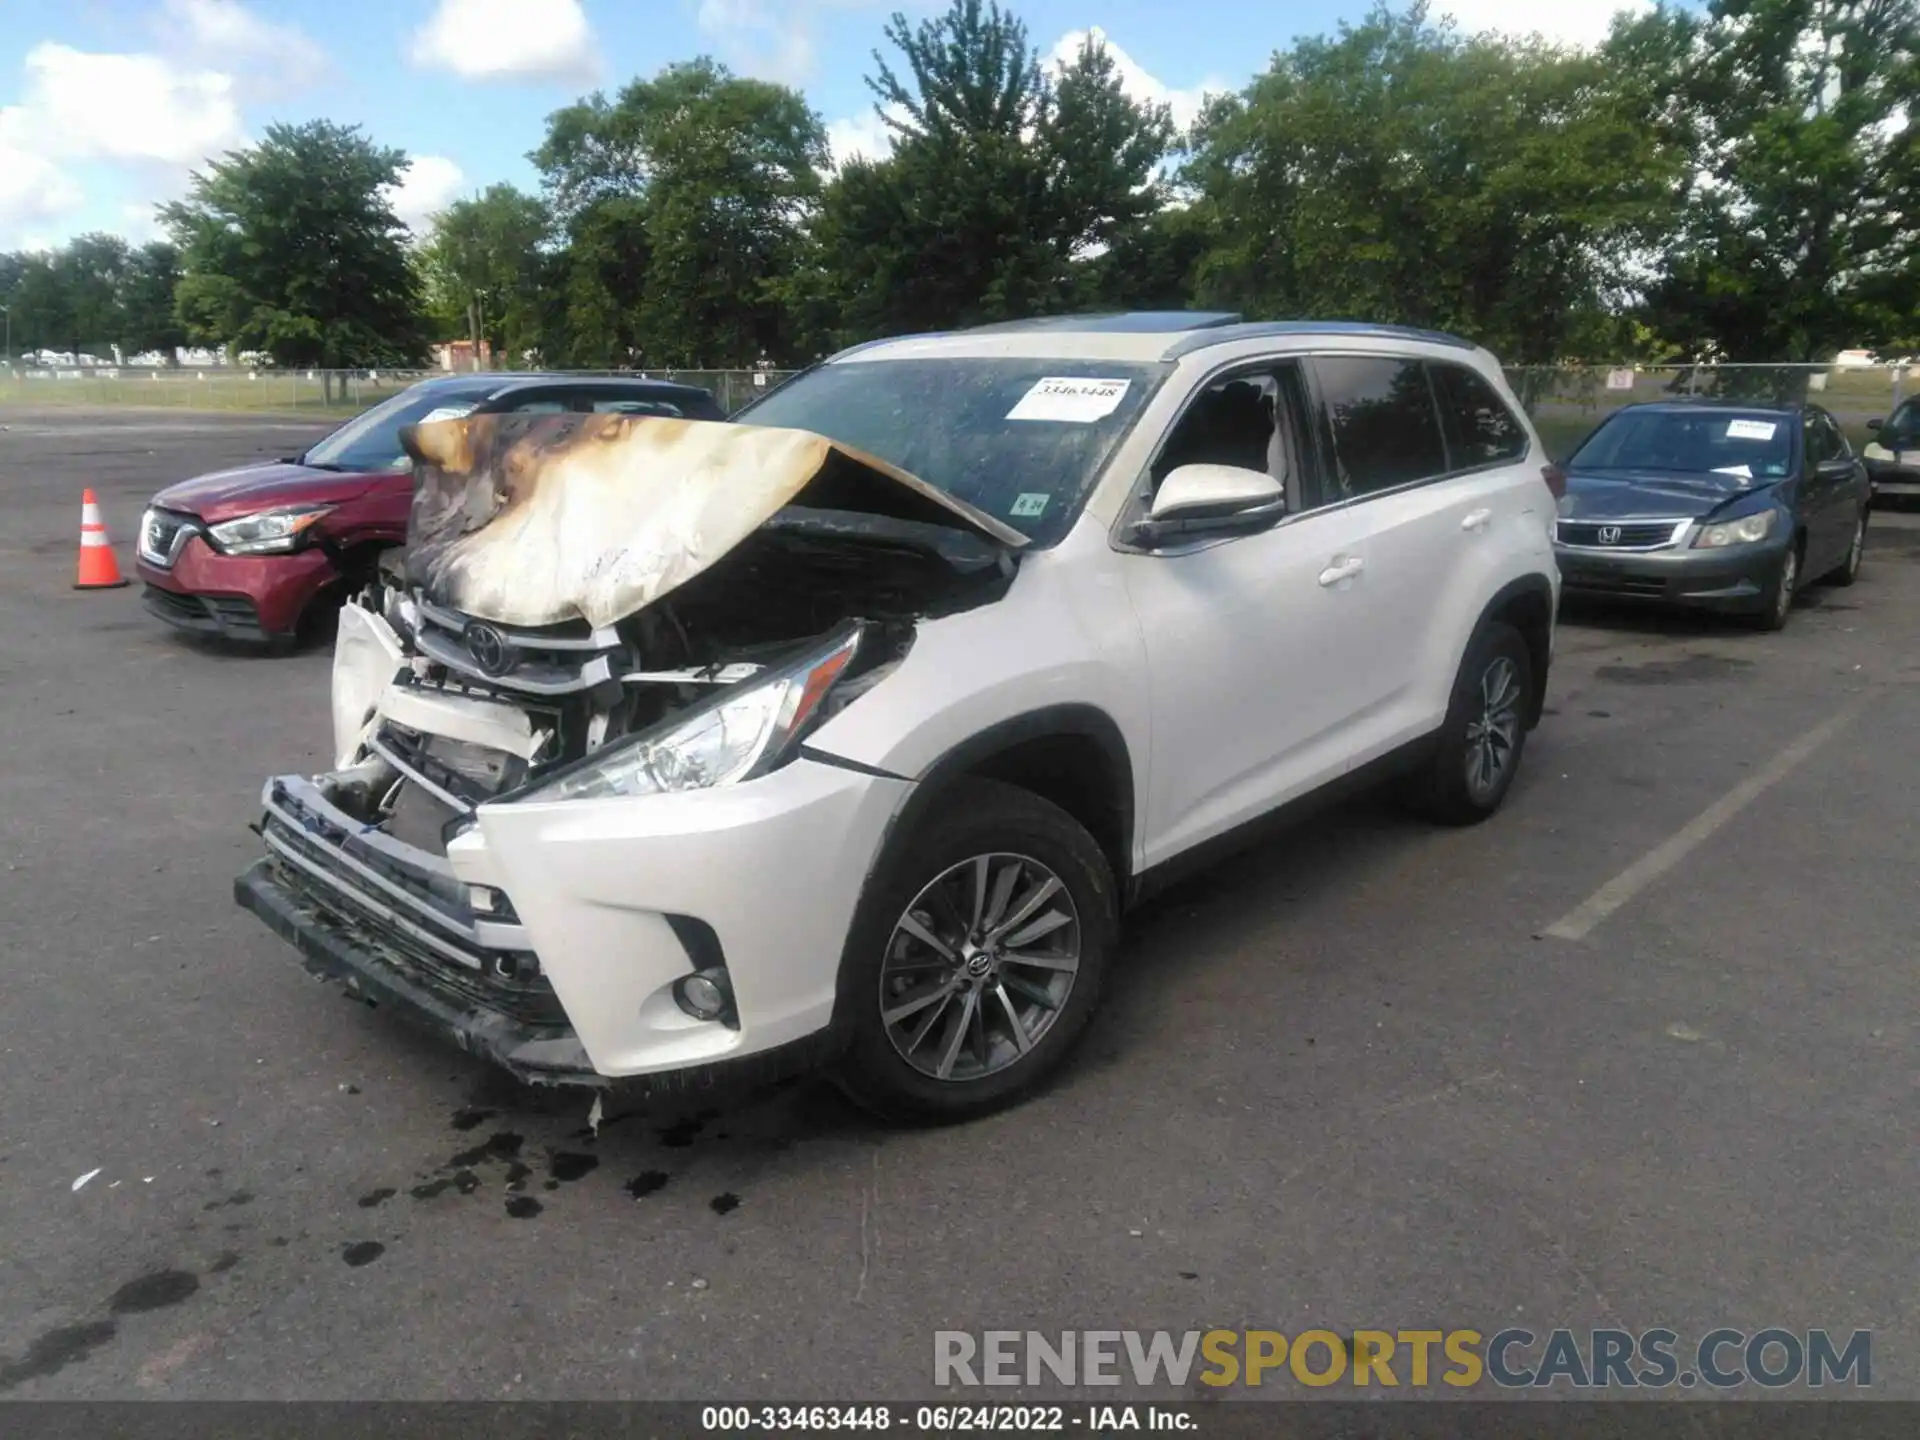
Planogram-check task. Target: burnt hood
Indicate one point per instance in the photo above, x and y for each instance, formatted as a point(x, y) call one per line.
point(536, 519)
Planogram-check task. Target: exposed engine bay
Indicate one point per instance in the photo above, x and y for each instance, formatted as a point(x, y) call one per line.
point(741, 550)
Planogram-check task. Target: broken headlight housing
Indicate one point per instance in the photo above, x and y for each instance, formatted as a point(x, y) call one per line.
point(745, 731)
point(271, 532)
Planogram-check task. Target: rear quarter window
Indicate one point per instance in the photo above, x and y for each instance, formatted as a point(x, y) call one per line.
point(1386, 429)
point(1479, 427)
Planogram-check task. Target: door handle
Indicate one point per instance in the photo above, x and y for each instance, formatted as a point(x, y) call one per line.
point(1342, 570)
point(1476, 520)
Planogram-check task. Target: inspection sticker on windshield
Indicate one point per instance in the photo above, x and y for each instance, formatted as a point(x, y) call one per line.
point(446, 412)
point(1064, 397)
point(1029, 504)
point(1750, 429)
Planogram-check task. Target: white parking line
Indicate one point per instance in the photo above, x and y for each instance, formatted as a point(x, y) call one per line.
point(1577, 922)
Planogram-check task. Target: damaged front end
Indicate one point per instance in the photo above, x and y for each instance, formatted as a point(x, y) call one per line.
point(590, 607)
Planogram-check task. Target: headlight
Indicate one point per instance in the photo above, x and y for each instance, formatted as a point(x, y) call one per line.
point(268, 533)
point(1744, 531)
point(744, 733)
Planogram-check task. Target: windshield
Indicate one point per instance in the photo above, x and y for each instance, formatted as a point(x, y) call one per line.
point(1021, 439)
point(371, 441)
point(1755, 447)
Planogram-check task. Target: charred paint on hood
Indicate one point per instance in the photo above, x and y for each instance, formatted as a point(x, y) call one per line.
point(536, 519)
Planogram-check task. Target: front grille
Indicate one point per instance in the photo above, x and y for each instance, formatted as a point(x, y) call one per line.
point(231, 615)
point(1621, 535)
point(1599, 582)
point(566, 659)
point(162, 533)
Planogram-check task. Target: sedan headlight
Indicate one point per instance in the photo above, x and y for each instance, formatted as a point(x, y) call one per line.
point(748, 730)
point(271, 532)
point(1744, 531)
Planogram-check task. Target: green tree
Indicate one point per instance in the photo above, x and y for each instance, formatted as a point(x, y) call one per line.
point(1801, 236)
point(149, 320)
point(92, 272)
point(683, 200)
point(482, 264)
point(1002, 177)
point(1400, 171)
point(42, 318)
point(292, 248)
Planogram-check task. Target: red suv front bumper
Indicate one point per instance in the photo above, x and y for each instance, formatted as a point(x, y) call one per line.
point(238, 597)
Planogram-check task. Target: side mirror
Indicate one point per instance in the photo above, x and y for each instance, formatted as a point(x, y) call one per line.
point(1875, 424)
point(1834, 470)
point(1198, 498)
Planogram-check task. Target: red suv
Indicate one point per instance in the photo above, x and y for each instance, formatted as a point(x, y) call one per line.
point(243, 554)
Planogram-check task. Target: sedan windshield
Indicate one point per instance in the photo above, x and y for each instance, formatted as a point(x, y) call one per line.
point(1021, 439)
point(371, 441)
point(1756, 446)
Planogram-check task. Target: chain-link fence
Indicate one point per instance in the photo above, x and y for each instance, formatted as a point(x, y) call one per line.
point(1567, 401)
point(342, 392)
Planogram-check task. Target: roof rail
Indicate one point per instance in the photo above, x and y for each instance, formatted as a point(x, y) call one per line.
point(1262, 329)
point(1116, 322)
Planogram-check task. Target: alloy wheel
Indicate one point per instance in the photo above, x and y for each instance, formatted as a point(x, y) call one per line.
point(979, 966)
point(1494, 735)
point(1789, 578)
point(1858, 552)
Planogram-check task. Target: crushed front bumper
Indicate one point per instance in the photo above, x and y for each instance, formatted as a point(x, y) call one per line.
point(593, 910)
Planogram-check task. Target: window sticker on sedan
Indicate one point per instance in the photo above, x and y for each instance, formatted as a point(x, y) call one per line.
point(1029, 503)
point(1065, 397)
point(446, 412)
point(1744, 472)
point(1751, 429)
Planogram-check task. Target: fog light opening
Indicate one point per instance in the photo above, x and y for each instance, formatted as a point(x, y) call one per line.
point(705, 994)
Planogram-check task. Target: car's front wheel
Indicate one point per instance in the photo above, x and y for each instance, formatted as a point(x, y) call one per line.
point(977, 959)
point(1778, 608)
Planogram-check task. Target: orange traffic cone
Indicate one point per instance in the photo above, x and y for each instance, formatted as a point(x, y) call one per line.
point(98, 569)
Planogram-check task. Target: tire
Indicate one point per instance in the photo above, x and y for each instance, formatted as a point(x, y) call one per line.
point(1495, 681)
point(1849, 570)
point(930, 884)
point(1779, 601)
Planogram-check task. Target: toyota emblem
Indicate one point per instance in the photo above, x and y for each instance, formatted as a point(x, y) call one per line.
point(1609, 534)
point(489, 648)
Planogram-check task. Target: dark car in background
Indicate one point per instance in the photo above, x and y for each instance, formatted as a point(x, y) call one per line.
point(245, 554)
point(1893, 454)
point(1712, 505)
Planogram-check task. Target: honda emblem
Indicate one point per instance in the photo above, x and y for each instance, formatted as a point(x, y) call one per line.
point(1609, 534)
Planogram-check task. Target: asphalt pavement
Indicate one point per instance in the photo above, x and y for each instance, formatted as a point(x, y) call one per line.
point(1359, 1077)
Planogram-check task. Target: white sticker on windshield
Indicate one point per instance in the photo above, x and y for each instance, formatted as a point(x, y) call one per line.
point(1750, 429)
point(446, 412)
point(1065, 397)
point(1029, 504)
point(1745, 472)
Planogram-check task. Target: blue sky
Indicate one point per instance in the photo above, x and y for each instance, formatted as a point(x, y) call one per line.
point(106, 106)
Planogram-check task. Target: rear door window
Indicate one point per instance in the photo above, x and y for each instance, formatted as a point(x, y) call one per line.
point(1384, 424)
point(1480, 429)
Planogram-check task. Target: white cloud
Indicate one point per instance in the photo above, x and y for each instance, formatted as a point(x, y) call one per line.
point(32, 187)
point(1134, 79)
point(270, 58)
point(509, 40)
point(129, 108)
point(427, 186)
point(1581, 23)
point(865, 136)
point(767, 39)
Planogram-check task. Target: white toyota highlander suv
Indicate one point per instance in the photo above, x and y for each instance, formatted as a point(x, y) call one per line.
point(844, 734)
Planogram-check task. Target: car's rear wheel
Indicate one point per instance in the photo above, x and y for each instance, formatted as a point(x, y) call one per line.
point(1478, 750)
point(977, 960)
point(1779, 600)
point(1849, 570)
